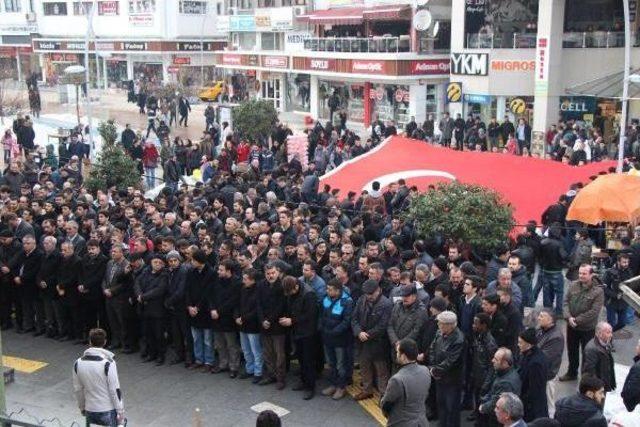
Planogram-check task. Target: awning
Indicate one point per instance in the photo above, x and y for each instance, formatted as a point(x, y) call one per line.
point(609, 86)
point(356, 15)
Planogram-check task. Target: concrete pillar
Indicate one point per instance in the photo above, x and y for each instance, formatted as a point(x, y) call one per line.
point(501, 108)
point(313, 98)
point(19, 65)
point(104, 73)
point(548, 73)
point(457, 25)
point(417, 101)
point(130, 75)
point(441, 96)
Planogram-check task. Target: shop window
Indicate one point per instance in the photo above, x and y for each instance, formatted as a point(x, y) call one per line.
point(142, 6)
point(500, 23)
point(593, 15)
point(55, 9)
point(298, 92)
point(12, 5)
point(191, 7)
point(81, 8)
point(431, 101)
point(391, 102)
point(271, 41)
point(108, 8)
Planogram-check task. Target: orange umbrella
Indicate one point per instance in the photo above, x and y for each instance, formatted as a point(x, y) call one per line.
point(613, 198)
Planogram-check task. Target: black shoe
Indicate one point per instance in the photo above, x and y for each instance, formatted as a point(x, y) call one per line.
point(20, 331)
point(61, 338)
point(6, 326)
point(215, 370)
point(266, 381)
point(176, 361)
point(244, 376)
point(128, 350)
point(471, 416)
point(160, 361)
point(143, 355)
point(38, 333)
point(256, 380)
point(298, 387)
point(233, 374)
point(149, 359)
point(308, 394)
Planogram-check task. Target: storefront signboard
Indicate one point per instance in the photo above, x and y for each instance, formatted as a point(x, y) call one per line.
point(173, 69)
point(577, 107)
point(368, 67)
point(231, 59)
point(294, 41)
point(542, 67)
point(181, 60)
point(431, 66)
point(281, 18)
point(108, 8)
point(242, 23)
point(513, 65)
point(253, 60)
point(74, 45)
point(141, 20)
point(7, 51)
point(105, 46)
point(321, 64)
point(47, 45)
point(470, 64)
point(263, 19)
point(134, 46)
point(472, 98)
point(275, 61)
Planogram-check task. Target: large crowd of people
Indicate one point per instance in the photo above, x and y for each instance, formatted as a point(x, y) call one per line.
point(256, 266)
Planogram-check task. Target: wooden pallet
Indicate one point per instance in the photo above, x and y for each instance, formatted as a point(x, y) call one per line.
point(370, 405)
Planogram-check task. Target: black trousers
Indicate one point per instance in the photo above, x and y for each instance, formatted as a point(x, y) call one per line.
point(306, 355)
point(181, 338)
point(68, 318)
point(576, 341)
point(122, 323)
point(448, 402)
point(154, 336)
point(183, 119)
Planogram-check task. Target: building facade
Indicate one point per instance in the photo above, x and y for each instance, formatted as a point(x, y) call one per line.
point(537, 59)
point(159, 40)
point(318, 57)
point(17, 26)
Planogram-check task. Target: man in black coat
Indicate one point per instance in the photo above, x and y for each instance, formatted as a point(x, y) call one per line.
point(533, 374)
point(504, 378)
point(183, 108)
point(446, 360)
point(127, 138)
point(514, 319)
point(10, 249)
point(94, 264)
point(26, 269)
point(171, 175)
point(369, 324)
point(597, 357)
point(616, 306)
point(246, 317)
point(483, 349)
point(302, 319)
point(583, 409)
point(222, 304)
point(200, 280)
point(271, 308)
point(68, 304)
point(491, 306)
point(150, 289)
point(631, 390)
point(117, 288)
point(47, 280)
point(175, 304)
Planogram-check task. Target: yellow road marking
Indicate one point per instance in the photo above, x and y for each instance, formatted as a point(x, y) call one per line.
point(370, 405)
point(23, 365)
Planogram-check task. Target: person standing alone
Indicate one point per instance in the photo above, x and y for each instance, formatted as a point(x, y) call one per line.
point(96, 384)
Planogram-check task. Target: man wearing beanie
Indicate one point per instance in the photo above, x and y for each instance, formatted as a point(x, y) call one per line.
point(533, 375)
point(150, 289)
point(439, 274)
point(181, 339)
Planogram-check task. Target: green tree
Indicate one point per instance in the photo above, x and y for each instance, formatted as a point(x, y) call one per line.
point(113, 166)
point(254, 119)
point(470, 214)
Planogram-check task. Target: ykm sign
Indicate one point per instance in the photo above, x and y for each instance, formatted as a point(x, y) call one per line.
point(470, 64)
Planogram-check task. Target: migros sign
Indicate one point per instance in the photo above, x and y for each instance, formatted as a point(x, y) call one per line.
point(513, 65)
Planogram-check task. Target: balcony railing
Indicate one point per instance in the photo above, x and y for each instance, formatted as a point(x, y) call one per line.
point(598, 39)
point(359, 45)
point(501, 41)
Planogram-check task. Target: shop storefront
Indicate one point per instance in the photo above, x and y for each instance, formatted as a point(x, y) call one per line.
point(116, 69)
point(349, 97)
point(17, 62)
point(298, 92)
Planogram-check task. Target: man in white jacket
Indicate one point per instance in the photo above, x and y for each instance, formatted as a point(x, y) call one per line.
point(96, 384)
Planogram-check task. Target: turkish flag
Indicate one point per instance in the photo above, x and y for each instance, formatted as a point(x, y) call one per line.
point(529, 184)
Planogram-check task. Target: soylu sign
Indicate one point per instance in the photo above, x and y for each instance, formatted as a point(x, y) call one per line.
point(470, 64)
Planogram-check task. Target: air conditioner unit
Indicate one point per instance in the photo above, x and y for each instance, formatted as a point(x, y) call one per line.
point(233, 11)
point(31, 16)
point(299, 10)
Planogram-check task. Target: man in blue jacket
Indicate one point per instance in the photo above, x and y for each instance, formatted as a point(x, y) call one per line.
point(335, 326)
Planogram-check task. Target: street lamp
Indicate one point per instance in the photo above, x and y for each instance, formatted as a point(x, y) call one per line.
point(75, 75)
point(625, 85)
point(89, 16)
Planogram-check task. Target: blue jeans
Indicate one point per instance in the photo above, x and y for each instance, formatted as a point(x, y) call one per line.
point(617, 318)
point(552, 288)
point(202, 345)
point(108, 418)
point(337, 358)
point(150, 175)
point(252, 350)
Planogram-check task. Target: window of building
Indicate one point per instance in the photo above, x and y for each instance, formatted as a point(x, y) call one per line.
point(108, 8)
point(55, 9)
point(81, 8)
point(32, 6)
point(219, 8)
point(12, 5)
point(142, 6)
point(271, 41)
point(192, 7)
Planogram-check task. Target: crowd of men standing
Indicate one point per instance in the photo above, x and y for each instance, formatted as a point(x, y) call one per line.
point(248, 272)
